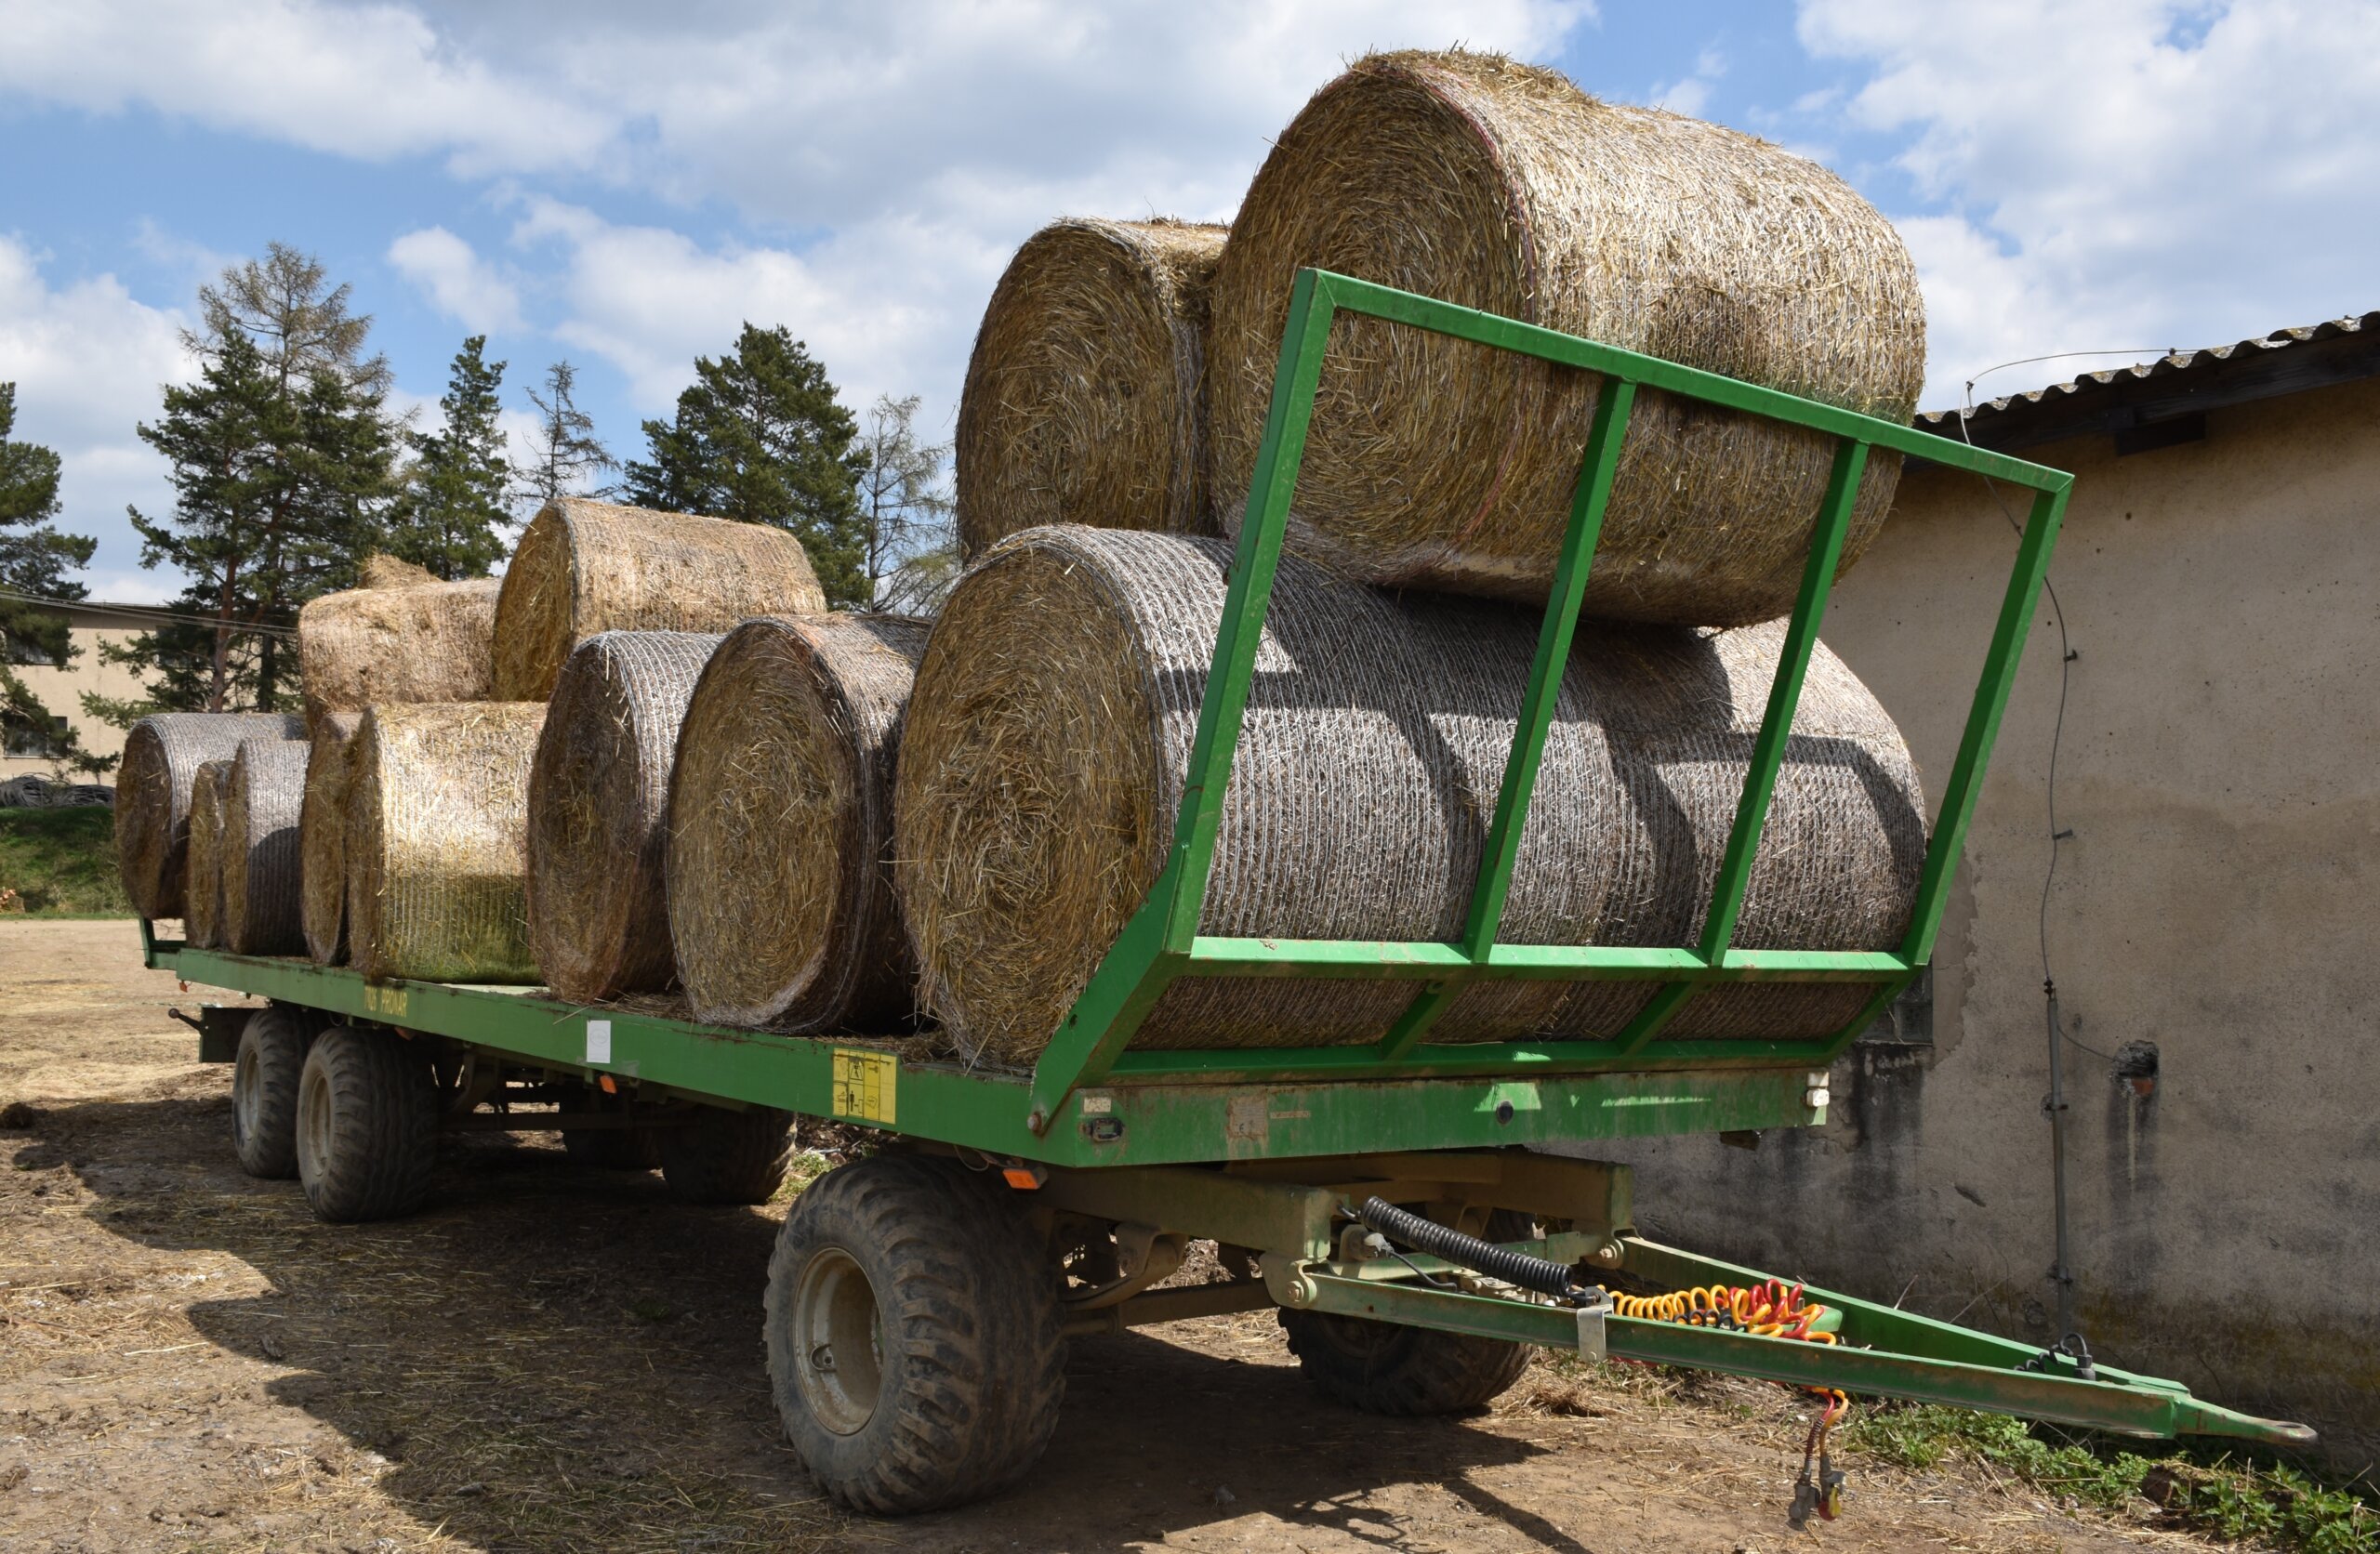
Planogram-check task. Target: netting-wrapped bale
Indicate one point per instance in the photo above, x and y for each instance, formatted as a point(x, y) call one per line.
point(584, 566)
point(161, 755)
point(599, 805)
point(322, 836)
point(437, 801)
point(264, 793)
point(426, 641)
point(1044, 752)
point(781, 899)
point(203, 906)
point(1503, 187)
point(1082, 403)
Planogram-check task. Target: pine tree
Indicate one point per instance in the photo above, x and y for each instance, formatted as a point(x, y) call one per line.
point(34, 561)
point(912, 551)
point(453, 498)
point(564, 452)
point(761, 437)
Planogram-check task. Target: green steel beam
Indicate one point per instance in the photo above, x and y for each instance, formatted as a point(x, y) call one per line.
point(1519, 1059)
point(1425, 960)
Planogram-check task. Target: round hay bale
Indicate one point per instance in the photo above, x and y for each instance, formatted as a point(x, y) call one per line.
point(438, 800)
point(264, 793)
point(599, 803)
point(161, 755)
point(322, 836)
point(1044, 752)
point(427, 642)
point(381, 571)
point(781, 903)
point(1082, 403)
point(203, 908)
point(1503, 187)
point(584, 566)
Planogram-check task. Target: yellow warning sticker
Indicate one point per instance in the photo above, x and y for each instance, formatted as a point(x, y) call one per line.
point(864, 1084)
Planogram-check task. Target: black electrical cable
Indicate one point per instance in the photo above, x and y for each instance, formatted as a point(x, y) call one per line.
point(1469, 1251)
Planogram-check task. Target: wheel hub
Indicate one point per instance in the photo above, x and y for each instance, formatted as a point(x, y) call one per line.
point(839, 1336)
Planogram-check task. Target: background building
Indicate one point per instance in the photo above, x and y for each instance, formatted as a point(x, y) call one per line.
point(27, 749)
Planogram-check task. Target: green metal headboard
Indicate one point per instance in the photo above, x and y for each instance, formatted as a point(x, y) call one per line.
point(1161, 941)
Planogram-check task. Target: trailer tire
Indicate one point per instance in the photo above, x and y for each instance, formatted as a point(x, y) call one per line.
point(368, 1126)
point(728, 1157)
point(1381, 1367)
point(264, 1091)
point(930, 1269)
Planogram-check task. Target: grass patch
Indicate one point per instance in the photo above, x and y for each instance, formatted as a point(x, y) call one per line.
point(62, 861)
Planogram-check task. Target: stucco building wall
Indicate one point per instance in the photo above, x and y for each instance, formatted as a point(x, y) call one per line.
point(60, 689)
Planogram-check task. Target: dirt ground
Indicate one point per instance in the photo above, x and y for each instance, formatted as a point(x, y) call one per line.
point(555, 1358)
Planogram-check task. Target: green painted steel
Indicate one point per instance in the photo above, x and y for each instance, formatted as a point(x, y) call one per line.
point(1161, 941)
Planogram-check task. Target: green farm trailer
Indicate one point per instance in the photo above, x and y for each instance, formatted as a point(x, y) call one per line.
point(1385, 1199)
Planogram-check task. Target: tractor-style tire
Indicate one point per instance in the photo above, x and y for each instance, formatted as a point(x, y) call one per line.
point(1384, 1368)
point(913, 1334)
point(728, 1157)
point(368, 1126)
point(264, 1090)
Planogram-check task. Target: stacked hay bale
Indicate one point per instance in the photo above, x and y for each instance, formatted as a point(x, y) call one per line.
point(161, 755)
point(203, 904)
point(436, 853)
point(599, 800)
point(321, 836)
point(781, 905)
point(1083, 399)
point(1046, 745)
point(403, 636)
point(262, 796)
point(585, 567)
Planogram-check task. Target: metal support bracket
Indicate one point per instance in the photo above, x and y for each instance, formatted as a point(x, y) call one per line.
point(1591, 1330)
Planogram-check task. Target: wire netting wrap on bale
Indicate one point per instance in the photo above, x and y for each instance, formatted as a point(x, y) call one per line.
point(437, 801)
point(426, 641)
point(203, 908)
point(1082, 403)
point(1044, 752)
point(781, 899)
point(599, 805)
point(322, 836)
point(1500, 186)
point(263, 793)
point(162, 756)
point(584, 566)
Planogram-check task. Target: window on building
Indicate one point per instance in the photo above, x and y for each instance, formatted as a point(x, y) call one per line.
point(21, 650)
point(27, 739)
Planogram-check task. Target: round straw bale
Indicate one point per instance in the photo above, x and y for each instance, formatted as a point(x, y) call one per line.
point(781, 899)
point(584, 566)
point(161, 755)
point(425, 642)
point(1045, 748)
point(381, 571)
point(438, 799)
point(203, 909)
point(599, 803)
point(1500, 186)
point(262, 796)
point(1082, 401)
point(322, 836)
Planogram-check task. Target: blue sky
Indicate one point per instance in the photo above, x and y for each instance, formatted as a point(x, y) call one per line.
point(622, 184)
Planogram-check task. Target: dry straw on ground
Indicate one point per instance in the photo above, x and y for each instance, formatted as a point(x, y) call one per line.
point(584, 566)
point(599, 804)
point(1043, 758)
point(322, 836)
point(398, 641)
point(262, 797)
point(438, 799)
point(203, 909)
point(1082, 403)
point(162, 756)
point(780, 893)
point(1503, 187)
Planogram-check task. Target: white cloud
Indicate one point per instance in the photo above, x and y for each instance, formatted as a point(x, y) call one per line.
point(2125, 174)
point(458, 281)
point(1691, 94)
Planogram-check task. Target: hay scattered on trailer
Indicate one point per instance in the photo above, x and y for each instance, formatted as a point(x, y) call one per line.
point(1044, 754)
point(1082, 403)
point(161, 755)
point(1503, 187)
point(322, 836)
point(781, 899)
point(438, 800)
point(263, 795)
point(428, 641)
point(203, 905)
point(599, 805)
point(584, 566)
